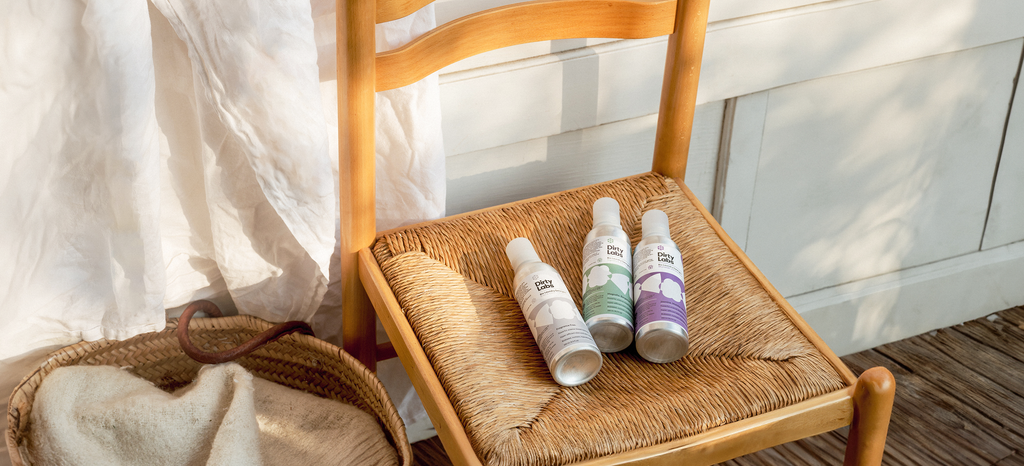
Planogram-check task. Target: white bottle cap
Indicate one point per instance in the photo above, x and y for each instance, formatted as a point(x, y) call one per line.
point(655, 222)
point(606, 210)
point(520, 251)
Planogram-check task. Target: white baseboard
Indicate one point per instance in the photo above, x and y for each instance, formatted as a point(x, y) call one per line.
point(856, 316)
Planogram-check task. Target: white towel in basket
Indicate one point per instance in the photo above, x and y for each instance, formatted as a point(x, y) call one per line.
point(104, 415)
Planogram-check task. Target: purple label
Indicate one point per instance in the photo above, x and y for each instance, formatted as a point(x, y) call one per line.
point(660, 296)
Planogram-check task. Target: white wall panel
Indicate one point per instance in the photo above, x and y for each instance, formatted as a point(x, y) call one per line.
point(751, 54)
point(578, 158)
point(630, 80)
point(1006, 217)
point(504, 108)
point(767, 49)
point(871, 172)
point(494, 106)
point(721, 10)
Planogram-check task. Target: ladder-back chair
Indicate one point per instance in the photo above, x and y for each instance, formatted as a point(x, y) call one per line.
point(756, 374)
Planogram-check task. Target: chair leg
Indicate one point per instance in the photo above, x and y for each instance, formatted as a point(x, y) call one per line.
point(872, 406)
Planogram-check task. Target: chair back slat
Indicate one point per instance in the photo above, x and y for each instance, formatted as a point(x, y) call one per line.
point(391, 10)
point(522, 23)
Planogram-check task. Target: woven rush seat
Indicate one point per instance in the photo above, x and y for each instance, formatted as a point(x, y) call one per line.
point(454, 283)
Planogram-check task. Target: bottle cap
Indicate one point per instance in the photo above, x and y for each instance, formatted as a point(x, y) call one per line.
point(606, 210)
point(520, 251)
point(655, 222)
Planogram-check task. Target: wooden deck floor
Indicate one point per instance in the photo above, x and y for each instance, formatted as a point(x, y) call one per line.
point(959, 401)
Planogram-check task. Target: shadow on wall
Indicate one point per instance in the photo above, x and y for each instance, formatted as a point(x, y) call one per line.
point(879, 171)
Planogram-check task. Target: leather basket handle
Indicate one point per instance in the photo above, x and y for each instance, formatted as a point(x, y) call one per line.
point(254, 343)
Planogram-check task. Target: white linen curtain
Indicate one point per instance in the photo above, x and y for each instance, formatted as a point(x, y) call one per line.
point(145, 173)
point(154, 154)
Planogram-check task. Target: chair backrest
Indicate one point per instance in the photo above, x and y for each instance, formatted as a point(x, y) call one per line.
point(362, 72)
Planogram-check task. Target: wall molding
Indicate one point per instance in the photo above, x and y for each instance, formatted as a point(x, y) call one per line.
point(859, 315)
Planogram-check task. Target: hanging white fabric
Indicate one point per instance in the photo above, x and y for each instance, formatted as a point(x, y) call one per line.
point(121, 182)
point(148, 161)
point(154, 154)
point(79, 170)
point(250, 192)
point(410, 150)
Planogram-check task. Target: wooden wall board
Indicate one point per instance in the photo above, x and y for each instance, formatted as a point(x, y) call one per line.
point(742, 161)
point(562, 92)
point(760, 51)
point(500, 109)
point(885, 169)
point(725, 10)
point(742, 56)
point(630, 78)
point(577, 158)
point(1006, 214)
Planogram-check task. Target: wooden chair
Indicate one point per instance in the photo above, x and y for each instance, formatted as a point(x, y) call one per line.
point(756, 375)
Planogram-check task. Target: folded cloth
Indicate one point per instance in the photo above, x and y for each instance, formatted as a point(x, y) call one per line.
point(104, 415)
point(299, 428)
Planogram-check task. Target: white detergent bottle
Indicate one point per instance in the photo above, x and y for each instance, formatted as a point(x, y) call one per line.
point(659, 295)
point(608, 279)
point(568, 349)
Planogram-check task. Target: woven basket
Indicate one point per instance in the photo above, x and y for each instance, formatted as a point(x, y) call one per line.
point(297, 361)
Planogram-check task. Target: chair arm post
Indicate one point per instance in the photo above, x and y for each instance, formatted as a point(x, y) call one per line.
point(355, 51)
point(679, 93)
point(872, 407)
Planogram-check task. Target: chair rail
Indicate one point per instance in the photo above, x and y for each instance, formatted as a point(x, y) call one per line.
point(522, 23)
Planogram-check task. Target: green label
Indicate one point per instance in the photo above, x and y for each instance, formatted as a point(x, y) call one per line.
point(607, 278)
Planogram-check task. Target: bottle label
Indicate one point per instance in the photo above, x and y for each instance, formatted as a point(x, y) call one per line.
point(607, 278)
point(551, 313)
point(659, 294)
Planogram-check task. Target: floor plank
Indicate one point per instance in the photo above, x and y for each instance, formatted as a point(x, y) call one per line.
point(968, 351)
point(941, 412)
point(959, 395)
point(429, 452)
point(1016, 459)
point(924, 420)
point(1000, 334)
point(960, 381)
